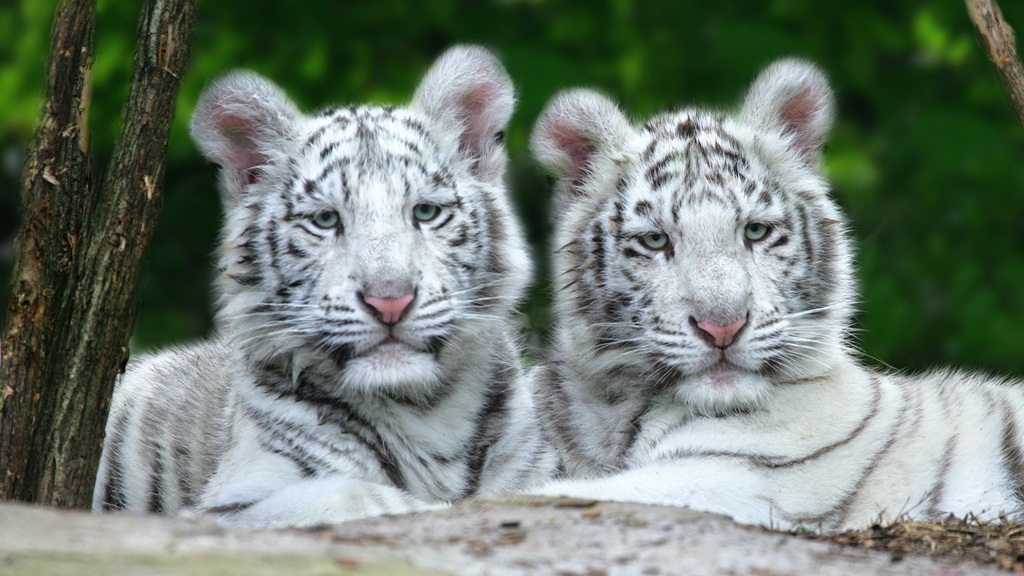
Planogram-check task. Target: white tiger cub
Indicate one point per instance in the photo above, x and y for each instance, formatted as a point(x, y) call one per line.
point(706, 290)
point(369, 266)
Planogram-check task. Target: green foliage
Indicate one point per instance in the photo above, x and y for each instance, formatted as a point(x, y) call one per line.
point(926, 156)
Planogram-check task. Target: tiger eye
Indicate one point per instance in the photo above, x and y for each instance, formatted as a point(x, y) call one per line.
point(425, 212)
point(655, 240)
point(756, 231)
point(326, 219)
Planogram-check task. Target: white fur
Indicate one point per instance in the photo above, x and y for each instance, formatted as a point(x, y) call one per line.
point(309, 407)
point(643, 410)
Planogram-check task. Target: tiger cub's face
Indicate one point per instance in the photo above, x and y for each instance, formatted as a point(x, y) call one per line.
point(701, 250)
point(366, 246)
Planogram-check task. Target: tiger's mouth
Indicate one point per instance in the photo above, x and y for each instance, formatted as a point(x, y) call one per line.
point(392, 345)
point(724, 373)
point(387, 350)
point(391, 364)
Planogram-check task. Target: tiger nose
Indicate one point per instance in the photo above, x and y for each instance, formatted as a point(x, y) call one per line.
point(718, 336)
point(388, 310)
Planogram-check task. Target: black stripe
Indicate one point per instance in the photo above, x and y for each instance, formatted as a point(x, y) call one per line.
point(935, 493)
point(686, 129)
point(654, 170)
point(1013, 456)
point(315, 136)
point(286, 440)
point(305, 467)
point(462, 236)
point(297, 441)
point(629, 252)
point(416, 126)
point(296, 251)
point(349, 420)
point(777, 462)
point(781, 240)
point(324, 153)
point(251, 279)
point(156, 493)
point(556, 408)
point(113, 493)
point(635, 425)
point(183, 467)
point(340, 355)
point(648, 152)
point(491, 423)
point(441, 224)
point(894, 435)
point(423, 401)
point(229, 508)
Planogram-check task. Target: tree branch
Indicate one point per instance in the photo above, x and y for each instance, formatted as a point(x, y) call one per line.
point(72, 310)
point(56, 195)
point(1001, 45)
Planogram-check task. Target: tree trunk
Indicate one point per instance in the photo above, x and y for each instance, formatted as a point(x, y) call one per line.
point(1001, 47)
point(77, 254)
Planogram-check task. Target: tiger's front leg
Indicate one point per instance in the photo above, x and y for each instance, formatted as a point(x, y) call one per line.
point(328, 500)
point(256, 488)
point(248, 474)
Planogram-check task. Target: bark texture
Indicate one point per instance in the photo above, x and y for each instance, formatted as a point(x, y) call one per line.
point(77, 254)
point(1001, 46)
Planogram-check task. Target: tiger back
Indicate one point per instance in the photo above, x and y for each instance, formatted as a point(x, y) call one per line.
point(702, 358)
point(366, 363)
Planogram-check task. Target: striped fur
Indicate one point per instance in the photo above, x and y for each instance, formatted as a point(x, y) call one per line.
point(370, 263)
point(705, 295)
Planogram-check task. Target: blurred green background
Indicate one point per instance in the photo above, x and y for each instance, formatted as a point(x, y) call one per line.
point(927, 157)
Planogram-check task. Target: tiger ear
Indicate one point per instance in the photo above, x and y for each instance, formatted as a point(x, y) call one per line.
point(241, 123)
point(469, 93)
point(793, 98)
point(579, 133)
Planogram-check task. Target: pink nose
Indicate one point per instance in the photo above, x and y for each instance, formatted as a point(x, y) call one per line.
point(719, 336)
point(389, 310)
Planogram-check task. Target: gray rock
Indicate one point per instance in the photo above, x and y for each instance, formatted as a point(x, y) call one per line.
point(488, 537)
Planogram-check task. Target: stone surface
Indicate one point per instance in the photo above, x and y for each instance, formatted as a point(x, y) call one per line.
point(492, 537)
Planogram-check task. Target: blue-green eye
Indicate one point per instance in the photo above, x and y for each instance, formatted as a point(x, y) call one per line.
point(655, 240)
point(756, 231)
point(425, 212)
point(326, 219)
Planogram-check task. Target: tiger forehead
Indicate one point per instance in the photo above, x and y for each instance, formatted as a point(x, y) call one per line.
point(699, 137)
point(379, 133)
point(693, 157)
point(347, 148)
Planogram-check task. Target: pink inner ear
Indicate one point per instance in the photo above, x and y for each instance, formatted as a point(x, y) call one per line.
point(242, 152)
point(578, 147)
point(798, 113)
point(474, 114)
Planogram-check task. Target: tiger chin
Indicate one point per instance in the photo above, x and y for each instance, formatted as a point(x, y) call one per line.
point(723, 389)
point(366, 363)
point(393, 366)
point(705, 291)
